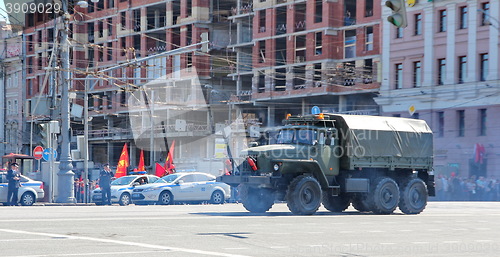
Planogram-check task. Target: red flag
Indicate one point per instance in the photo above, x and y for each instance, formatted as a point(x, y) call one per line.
point(160, 171)
point(123, 163)
point(169, 163)
point(141, 162)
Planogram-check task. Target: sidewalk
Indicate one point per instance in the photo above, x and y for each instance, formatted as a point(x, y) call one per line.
point(63, 204)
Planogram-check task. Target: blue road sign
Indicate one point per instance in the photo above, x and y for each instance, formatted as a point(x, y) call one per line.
point(315, 110)
point(49, 153)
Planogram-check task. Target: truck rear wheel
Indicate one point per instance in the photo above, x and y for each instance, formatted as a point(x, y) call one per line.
point(256, 200)
point(413, 196)
point(304, 195)
point(385, 196)
point(335, 203)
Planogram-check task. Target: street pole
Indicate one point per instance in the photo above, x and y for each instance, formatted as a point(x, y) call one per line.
point(86, 146)
point(66, 175)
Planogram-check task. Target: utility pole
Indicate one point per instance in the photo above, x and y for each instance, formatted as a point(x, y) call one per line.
point(66, 175)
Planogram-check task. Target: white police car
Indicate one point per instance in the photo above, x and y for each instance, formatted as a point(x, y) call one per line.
point(29, 192)
point(121, 188)
point(182, 187)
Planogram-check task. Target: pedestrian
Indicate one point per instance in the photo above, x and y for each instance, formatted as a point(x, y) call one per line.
point(14, 180)
point(105, 184)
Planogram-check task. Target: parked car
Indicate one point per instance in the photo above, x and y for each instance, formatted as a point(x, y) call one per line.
point(29, 192)
point(182, 187)
point(121, 188)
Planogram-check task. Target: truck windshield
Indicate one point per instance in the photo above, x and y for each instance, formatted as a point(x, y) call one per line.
point(297, 136)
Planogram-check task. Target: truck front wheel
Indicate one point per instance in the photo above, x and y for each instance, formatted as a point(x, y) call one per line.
point(304, 195)
point(413, 196)
point(385, 196)
point(257, 200)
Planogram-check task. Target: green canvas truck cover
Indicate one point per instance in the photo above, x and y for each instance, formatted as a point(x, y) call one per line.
point(377, 141)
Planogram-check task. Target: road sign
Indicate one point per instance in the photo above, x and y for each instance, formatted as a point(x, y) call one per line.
point(315, 110)
point(49, 153)
point(412, 109)
point(38, 152)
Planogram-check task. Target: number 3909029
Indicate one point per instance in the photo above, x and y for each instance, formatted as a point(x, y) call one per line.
point(32, 8)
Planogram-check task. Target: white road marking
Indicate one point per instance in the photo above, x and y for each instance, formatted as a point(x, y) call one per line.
point(483, 241)
point(434, 229)
point(278, 247)
point(118, 242)
point(85, 254)
point(451, 242)
point(22, 239)
point(376, 231)
point(387, 243)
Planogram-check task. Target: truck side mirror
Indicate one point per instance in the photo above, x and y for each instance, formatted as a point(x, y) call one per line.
point(253, 144)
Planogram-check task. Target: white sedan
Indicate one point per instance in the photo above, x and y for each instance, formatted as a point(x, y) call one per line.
point(29, 192)
point(121, 188)
point(182, 187)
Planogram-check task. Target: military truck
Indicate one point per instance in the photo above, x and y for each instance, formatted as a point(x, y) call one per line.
point(374, 163)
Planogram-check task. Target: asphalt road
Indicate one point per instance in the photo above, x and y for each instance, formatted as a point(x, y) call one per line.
point(443, 229)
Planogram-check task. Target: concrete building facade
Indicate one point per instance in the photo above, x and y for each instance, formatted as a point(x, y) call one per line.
point(315, 53)
point(443, 68)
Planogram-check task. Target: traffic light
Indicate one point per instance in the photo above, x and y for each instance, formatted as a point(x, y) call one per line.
point(44, 133)
point(398, 17)
point(204, 40)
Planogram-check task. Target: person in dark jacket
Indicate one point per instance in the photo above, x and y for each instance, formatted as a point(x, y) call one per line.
point(14, 179)
point(105, 184)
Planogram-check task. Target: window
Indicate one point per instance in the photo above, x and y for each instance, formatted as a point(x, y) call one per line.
point(319, 43)
point(485, 17)
point(110, 51)
point(482, 122)
point(461, 123)
point(350, 44)
point(189, 61)
point(399, 32)
point(262, 21)
point(369, 39)
point(318, 11)
point(262, 51)
point(398, 79)
point(417, 74)
point(440, 129)
point(483, 66)
point(100, 28)
point(462, 69)
point(123, 20)
point(441, 71)
point(111, 3)
point(397, 115)
point(90, 8)
point(442, 21)
point(110, 26)
point(415, 115)
point(463, 17)
point(418, 24)
point(368, 8)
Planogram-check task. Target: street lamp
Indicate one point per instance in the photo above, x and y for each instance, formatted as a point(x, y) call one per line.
point(65, 174)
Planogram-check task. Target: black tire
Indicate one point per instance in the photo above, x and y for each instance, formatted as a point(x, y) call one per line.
point(124, 199)
point(165, 198)
point(384, 196)
point(414, 196)
point(256, 200)
point(217, 197)
point(360, 203)
point(335, 203)
point(304, 195)
point(28, 199)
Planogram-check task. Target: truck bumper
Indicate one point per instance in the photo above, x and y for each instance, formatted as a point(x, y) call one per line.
point(236, 180)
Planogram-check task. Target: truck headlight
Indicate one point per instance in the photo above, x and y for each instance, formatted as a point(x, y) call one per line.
point(276, 167)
